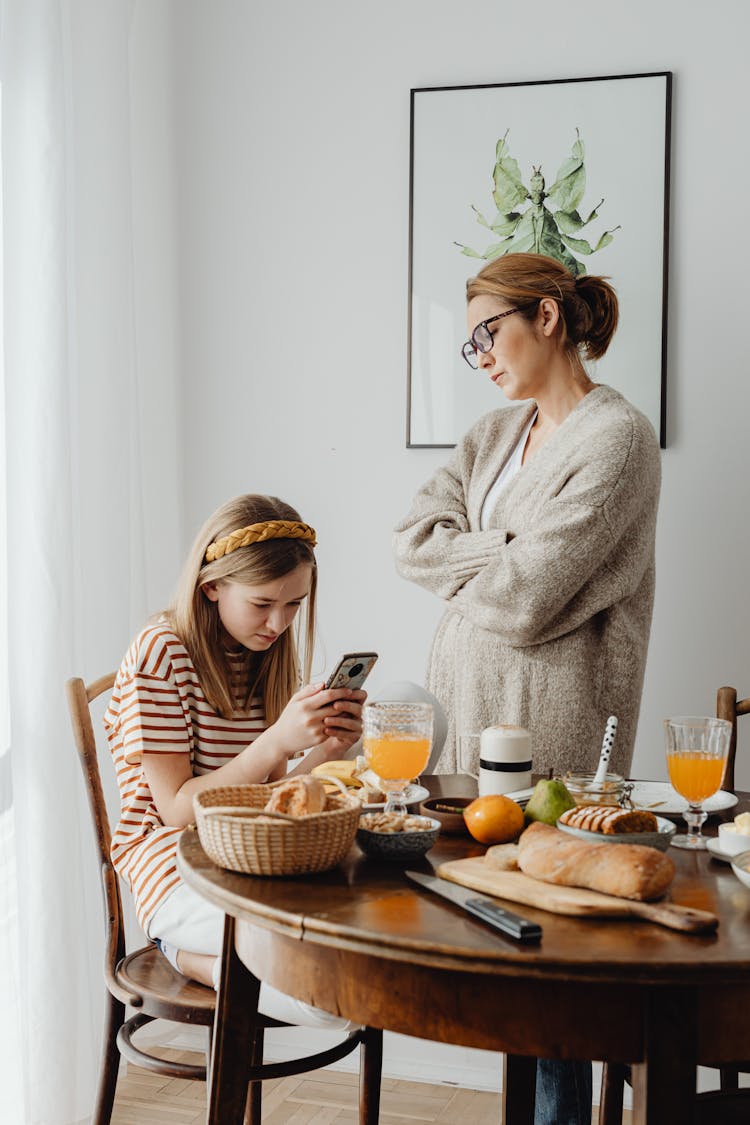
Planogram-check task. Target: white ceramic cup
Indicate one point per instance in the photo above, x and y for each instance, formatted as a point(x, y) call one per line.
point(504, 760)
point(731, 841)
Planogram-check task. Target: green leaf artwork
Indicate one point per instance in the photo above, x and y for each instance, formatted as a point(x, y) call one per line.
point(538, 228)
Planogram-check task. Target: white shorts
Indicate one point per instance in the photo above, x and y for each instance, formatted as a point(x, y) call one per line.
point(189, 922)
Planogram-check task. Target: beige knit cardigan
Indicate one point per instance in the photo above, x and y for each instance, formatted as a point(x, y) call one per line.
point(548, 610)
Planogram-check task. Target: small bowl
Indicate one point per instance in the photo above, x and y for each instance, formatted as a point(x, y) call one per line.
point(451, 823)
point(741, 867)
point(399, 846)
point(660, 839)
point(583, 791)
point(731, 841)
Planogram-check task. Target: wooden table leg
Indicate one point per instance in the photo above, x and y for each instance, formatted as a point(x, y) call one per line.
point(519, 1089)
point(234, 1031)
point(613, 1089)
point(370, 1069)
point(664, 1084)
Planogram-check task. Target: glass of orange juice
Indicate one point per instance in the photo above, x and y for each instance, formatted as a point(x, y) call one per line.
point(696, 754)
point(397, 738)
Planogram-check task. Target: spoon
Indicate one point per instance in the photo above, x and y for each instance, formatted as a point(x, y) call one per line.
point(609, 737)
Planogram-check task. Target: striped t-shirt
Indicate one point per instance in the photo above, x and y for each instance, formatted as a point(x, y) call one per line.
point(158, 706)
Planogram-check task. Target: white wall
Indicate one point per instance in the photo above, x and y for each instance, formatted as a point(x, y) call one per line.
point(293, 150)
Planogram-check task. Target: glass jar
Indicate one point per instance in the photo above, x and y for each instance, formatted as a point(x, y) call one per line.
point(583, 791)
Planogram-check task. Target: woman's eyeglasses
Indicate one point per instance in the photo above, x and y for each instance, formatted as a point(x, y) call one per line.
point(481, 339)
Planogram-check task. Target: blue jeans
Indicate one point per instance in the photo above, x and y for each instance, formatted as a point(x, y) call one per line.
point(563, 1093)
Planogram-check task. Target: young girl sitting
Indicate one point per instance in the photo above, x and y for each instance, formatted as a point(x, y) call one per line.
point(209, 695)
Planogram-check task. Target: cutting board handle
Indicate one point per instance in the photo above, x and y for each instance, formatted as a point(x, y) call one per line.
point(683, 918)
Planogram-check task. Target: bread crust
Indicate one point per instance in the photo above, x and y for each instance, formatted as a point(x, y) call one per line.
point(298, 796)
point(625, 870)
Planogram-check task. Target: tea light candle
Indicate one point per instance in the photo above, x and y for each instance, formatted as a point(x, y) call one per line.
point(504, 759)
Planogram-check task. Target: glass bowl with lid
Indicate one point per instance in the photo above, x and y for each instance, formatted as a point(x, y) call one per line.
point(610, 791)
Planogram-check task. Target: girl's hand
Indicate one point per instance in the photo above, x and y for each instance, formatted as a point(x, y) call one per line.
point(304, 722)
point(344, 727)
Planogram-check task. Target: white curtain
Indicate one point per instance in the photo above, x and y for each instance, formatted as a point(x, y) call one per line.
point(93, 513)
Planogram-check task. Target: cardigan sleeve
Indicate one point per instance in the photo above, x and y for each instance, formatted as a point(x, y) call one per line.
point(546, 581)
point(575, 559)
point(433, 545)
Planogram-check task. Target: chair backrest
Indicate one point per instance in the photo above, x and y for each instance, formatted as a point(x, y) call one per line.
point(729, 707)
point(80, 696)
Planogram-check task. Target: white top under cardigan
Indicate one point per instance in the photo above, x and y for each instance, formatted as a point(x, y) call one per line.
point(548, 609)
point(513, 465)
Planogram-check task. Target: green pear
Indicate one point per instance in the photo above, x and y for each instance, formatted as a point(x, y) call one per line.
point(549, 800)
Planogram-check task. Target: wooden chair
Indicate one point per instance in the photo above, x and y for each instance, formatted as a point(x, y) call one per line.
point(728, 706)
point(146, 981)
point(729, 1104)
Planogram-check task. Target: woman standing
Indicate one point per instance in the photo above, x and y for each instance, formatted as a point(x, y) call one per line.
point(538, 535)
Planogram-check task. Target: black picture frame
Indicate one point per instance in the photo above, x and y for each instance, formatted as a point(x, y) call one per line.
point(624, 124)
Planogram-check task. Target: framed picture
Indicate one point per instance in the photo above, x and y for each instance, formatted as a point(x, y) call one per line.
point(586, 162)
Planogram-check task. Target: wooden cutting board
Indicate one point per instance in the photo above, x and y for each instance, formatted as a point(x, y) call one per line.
point(514, 886)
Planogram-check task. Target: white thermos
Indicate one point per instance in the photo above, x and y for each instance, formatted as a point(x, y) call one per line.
point(504, 760)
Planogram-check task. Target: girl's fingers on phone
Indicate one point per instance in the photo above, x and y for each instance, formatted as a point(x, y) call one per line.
point(347, 705)
point(336, 695)
point(336, 744)
point(308, 690)
point(342, 722)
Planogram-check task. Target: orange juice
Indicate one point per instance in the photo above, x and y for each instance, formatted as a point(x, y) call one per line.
point(695, 776)
point(397, 758)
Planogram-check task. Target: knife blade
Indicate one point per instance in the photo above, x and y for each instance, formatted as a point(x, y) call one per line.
point(514, 925)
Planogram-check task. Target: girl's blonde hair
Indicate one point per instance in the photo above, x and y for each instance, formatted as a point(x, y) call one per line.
point(196, 621)
point(588, 304)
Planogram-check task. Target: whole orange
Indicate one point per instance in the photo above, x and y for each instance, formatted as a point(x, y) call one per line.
point(494, 819)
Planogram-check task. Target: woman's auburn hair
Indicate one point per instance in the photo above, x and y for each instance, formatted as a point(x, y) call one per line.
point(588, 303)
point(196, 620)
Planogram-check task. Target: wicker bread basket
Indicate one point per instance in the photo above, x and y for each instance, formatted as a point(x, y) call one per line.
point(244, 838)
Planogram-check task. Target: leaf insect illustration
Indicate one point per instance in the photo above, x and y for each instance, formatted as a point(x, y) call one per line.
point(538, 228)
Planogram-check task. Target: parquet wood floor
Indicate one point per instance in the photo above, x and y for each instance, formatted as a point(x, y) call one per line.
point(322, 1097)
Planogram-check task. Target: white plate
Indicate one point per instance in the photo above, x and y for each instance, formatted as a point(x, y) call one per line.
point(661, 798)
point(521, 796)
point(715, 850)
point(414, 793)
point(660, 839)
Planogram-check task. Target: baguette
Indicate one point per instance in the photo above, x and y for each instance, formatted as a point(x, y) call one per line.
point(610, 821)
point(626, 870)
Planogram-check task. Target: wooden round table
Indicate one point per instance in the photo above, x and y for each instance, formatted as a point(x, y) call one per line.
point(364, 942)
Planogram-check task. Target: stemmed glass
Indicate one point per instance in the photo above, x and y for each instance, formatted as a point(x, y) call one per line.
point(696, 753)
point(397, 739)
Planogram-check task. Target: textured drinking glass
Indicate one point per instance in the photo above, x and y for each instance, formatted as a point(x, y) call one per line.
point(696, 752)
point(397, 740)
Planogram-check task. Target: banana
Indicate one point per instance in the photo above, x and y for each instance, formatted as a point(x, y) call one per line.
point(343, 770)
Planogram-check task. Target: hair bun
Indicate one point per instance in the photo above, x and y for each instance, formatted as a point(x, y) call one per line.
point(598, 318)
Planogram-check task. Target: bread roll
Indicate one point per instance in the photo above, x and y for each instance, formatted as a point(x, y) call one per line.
point(502, 857)
point(625, 870)
point(610, 820)
point(299, 796)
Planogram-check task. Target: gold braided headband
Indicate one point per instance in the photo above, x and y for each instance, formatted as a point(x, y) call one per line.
point(258, 533)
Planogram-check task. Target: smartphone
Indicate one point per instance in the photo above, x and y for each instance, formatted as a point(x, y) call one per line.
point(352, 670)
